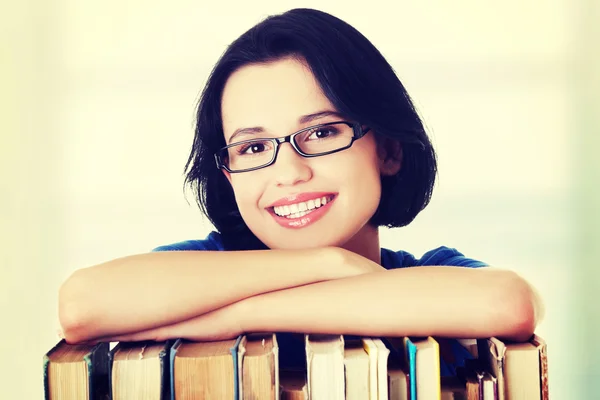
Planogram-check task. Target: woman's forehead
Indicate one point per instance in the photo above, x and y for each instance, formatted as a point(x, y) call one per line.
point(272, 95)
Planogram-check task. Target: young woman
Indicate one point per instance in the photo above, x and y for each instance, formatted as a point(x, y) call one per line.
point(306, 143)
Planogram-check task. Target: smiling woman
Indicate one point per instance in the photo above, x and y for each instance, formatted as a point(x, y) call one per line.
point(306, 143)
point(277, 95)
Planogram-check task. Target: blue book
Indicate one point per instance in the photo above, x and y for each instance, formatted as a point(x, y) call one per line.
point(426, 364)
point(207, 377)
point(411, 356)
point(404, 351)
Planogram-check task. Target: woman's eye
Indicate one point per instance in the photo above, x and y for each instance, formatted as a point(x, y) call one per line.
point(253, 148)
point(321, 133)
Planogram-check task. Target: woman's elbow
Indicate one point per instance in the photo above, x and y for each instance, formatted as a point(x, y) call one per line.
point(73, 314)
point(523, 309)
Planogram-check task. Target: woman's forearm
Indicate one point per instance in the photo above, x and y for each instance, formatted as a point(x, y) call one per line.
point(445, 301)
point(145, 291)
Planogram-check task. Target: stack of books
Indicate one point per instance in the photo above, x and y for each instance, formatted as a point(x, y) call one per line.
point(253, 366)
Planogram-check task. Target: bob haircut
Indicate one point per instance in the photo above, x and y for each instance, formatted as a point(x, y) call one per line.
point(356, 79)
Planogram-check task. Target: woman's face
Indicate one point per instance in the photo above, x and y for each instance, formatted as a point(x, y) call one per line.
point(275, 97)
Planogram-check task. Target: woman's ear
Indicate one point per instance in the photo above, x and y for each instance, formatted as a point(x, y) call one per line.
point(389, 152)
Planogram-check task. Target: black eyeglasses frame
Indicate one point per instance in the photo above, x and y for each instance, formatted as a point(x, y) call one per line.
point(357, 129)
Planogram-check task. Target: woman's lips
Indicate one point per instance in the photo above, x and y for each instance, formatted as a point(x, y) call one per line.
point(300, 222)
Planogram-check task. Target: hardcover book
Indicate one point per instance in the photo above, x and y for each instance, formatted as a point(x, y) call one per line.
point(76, 372)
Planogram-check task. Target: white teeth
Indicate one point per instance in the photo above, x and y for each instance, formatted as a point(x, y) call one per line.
point(300, 209)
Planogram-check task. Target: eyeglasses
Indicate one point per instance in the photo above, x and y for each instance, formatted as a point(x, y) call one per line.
point(314, 141)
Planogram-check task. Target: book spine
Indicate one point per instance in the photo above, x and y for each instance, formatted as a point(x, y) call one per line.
point(411, 351)
point(111, 360)
point(236, 371)
point(97, 366)
point(165, 370)
point(172, 354)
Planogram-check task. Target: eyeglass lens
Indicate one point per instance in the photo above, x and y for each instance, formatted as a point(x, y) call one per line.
point(259, 152)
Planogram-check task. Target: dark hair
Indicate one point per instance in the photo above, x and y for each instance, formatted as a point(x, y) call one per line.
point(356, 79)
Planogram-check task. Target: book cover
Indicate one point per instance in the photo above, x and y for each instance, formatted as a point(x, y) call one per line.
point(542, 348)
point(411, 357)
point(94, 360)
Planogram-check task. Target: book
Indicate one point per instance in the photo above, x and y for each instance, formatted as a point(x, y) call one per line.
point(383, 354)
point(140, 371)
point(325, 366)
point(427, 368)
point(76, 372)
point(490, 387)
point(520, 369)
point(357, 371)
point(336, 368)
point(522, 372)
point(204, 370)
point(406, 351)
point(491, 352)
point(258, 367)
point(398, 380)
point(480, 384)
point(371, 350)
point(543, 351)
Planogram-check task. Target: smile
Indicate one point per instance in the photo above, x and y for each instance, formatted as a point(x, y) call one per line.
point(303, 208)
point(301, 214)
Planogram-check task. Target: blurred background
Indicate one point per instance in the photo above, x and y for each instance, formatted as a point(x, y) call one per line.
point(97, 112)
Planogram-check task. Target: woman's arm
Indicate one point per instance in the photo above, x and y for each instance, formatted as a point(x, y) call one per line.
point(445, 301)
point(146, 291)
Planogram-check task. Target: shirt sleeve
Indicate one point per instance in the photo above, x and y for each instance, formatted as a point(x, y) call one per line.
point(450, 257)
point(212, 242)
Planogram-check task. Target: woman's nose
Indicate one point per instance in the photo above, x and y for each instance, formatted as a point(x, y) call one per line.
point(290, 167)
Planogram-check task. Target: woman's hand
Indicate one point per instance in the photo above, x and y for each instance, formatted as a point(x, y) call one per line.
point(356, 264)
point(221, 324)
point(228, 322)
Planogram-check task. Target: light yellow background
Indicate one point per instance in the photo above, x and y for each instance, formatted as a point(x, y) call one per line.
point(97, 118)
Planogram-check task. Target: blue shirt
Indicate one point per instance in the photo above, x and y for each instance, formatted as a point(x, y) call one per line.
point(452, 352)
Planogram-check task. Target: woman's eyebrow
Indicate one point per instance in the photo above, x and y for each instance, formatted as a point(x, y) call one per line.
point(302, 120)
point(246, 131)
point(320, 114)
